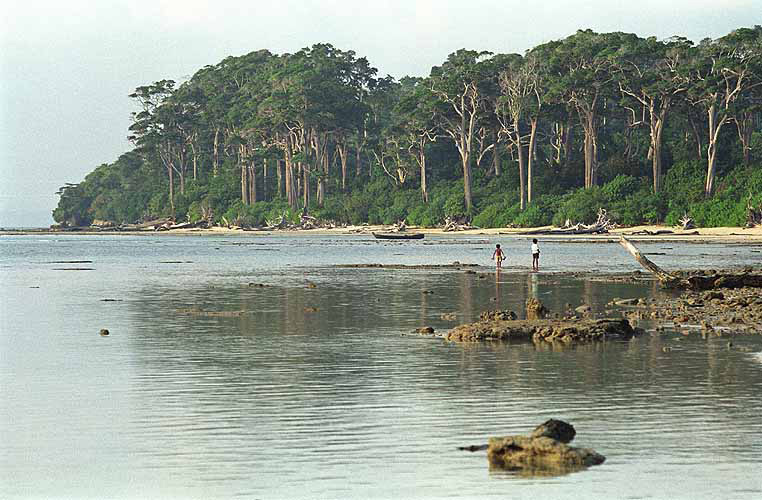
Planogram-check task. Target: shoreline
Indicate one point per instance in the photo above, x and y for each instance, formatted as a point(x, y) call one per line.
point(698, 235)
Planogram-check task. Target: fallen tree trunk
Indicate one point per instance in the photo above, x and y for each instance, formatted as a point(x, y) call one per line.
point(646, 263)
point(657, 232)
point(570, 230)
point(695, 281)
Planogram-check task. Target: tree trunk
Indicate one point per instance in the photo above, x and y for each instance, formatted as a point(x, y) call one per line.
point(567, 142)
point(745, 126)
point(656, 165)
point(291, 183)
point(522, 174)
point(531, 157)
point(171, 170)
point(342, 150)
point(358, 160)
point(320, 192)
point(696, 136)
point(467, 183)
point(496, 159)
point(591, 147)
point(264, 179)
point(252, 184)
point(657, 125)
point(306, 188)
point(195, 163)
point(645, 262)
point(244, 184)
point(279, 175)
point(299, 181)
point(711, 158)
point(424, 189)
point(288, 181)
point(216, 154)
point(715, 125)
point(183, 167)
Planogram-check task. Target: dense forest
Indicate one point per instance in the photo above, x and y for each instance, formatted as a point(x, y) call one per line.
point(650, 130)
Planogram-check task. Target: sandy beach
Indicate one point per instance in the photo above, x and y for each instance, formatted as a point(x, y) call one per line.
point(636, 233)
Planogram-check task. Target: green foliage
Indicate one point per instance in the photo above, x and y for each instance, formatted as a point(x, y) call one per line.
point(539, 213)
point(322, 103)
point(581, 205)
point(497, 215)
point(621, 186)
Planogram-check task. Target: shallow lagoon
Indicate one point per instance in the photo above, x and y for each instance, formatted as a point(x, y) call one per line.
point(287, 391)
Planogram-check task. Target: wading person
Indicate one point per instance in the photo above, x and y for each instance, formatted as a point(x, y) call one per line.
point(498, 256)
point(535, 255)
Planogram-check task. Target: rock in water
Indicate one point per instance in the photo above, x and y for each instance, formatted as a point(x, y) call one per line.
point(535, 309)
point(497, 315)
point(545, 330)
point(541, 455)
point(544, 452)
point(584, 309)
point(104, 332)
point(556, 429)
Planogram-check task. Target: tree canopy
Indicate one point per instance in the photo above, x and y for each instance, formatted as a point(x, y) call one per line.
point(648, 129)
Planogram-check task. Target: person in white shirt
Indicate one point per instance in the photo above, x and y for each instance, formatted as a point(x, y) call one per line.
point(535, 255)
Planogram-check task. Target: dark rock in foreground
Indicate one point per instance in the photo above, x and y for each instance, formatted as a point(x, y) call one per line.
point(556, 429)
point(547, 330)
point(544, 452)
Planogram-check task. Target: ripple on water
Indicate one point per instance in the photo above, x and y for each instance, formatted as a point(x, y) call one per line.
point(337, 403)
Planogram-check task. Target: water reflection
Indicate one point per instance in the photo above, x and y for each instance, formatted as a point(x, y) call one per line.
point(320, 388)
point(287, 391)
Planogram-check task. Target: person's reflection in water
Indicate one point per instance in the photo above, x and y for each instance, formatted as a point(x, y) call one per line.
point(533, 286)
point(497, 289)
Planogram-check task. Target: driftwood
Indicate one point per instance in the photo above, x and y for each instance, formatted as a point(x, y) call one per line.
point(305, 222)
point(646, 232)
point(602, 225)
point(190, 225)
point(753, 215)
point(280, 224)
point(695, 281)
point(686, 222)
point(645, 262)
point(456, 224)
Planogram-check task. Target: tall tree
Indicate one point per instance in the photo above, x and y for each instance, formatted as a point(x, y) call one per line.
point(722, 73)
point(650, 74)
point(457, 85)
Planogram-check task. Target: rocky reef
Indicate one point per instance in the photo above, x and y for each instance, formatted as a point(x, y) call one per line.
point(543, 330)
point(730, 311)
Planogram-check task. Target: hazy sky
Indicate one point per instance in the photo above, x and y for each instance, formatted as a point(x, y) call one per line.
point(67, 66)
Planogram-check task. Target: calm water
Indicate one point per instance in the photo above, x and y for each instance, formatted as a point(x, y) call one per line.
point(292, 391)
